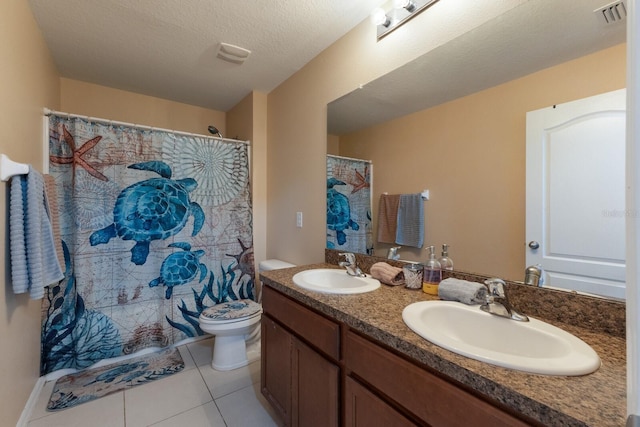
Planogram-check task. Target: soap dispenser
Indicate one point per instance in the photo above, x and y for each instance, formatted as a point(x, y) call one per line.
point(446, 263)
point(432, 273)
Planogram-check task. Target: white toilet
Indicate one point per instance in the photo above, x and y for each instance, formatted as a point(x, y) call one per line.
point(236, 326)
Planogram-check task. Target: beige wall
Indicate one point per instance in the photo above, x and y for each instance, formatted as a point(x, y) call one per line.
point(240, 119)
point(297, 130)
point(470, 154)
point(28, 83)
point(107, 103)
point(333, 144)
point(248, 121)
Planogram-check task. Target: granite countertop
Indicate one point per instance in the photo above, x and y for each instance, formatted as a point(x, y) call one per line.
point(598, 399)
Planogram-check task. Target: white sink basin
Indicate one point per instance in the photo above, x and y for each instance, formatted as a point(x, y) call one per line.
point(334, 281)
point(535, 346)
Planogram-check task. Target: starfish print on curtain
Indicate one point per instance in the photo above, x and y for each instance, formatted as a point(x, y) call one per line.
point(362, 181)
point(77, 158)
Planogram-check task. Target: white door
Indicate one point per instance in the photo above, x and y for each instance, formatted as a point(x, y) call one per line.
point(575, 225)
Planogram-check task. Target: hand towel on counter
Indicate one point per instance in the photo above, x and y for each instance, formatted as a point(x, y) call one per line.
point(462, 290)
point(410, 230)
point(34, 263)
point(388, 217)
point(387, 274)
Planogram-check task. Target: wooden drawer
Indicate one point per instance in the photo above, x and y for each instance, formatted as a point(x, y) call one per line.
point(316, 329)
point(430, 398)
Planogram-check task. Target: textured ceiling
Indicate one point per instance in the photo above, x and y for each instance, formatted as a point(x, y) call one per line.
point(532, 36)
point(168, 48)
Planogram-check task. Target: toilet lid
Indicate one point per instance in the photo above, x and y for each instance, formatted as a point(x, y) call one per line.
point(232, 310)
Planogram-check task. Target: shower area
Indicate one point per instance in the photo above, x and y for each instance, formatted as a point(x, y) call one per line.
point(154, 226)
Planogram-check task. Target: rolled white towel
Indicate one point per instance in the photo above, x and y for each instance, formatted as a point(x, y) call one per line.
point(462, 290)
point(387, 274)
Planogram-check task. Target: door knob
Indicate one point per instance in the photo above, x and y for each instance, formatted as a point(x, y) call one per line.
point(534, 245)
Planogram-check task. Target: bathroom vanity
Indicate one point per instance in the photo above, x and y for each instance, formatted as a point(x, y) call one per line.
point(350, 360)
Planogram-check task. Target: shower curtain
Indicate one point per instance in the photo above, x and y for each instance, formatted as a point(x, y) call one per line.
point(155, 226)
point(349, 204)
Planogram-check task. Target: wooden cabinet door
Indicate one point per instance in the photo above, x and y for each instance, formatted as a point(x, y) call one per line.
point(364, 409)
point(315, 388)
point(275, 376)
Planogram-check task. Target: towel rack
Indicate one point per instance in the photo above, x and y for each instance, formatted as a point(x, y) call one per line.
point(9, 168)
point(424, 194)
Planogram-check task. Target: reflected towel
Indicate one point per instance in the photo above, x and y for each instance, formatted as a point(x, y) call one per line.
point(387, 274)
point(462, 290)
point(34, 263)
point(410, 231)
point(388, 217)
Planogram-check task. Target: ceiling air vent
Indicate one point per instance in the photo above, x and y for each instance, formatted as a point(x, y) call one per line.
point(612, 13)
point(230, 53)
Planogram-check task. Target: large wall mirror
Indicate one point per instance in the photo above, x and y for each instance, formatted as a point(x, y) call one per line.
point(454, 121)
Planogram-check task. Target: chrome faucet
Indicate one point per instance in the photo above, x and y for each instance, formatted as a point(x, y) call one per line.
point(392, 253)
point(350, 264)
point(497, 302)
point(533, 275)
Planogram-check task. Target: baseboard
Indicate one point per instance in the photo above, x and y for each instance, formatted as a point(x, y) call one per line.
point(31, 403)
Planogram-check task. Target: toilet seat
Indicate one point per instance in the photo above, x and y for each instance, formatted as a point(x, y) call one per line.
point(231, 312)
point(231, 322)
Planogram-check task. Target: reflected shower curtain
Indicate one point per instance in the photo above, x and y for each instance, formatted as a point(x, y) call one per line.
point(155, 227)
point(349, 205)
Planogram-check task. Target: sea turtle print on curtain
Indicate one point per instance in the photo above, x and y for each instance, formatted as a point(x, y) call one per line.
point(156, 227)
point(339, 212)
point(153, 209)
point(180, 268)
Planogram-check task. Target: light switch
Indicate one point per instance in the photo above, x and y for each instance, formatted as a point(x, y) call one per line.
point(299, 219)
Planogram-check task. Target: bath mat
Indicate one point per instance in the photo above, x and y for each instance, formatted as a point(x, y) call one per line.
point(85, 386)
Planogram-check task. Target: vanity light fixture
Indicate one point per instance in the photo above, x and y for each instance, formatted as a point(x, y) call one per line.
point(404, 4)
point(402, 11)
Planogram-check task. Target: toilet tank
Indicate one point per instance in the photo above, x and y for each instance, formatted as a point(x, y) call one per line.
point(273, 264)
point(270, 264)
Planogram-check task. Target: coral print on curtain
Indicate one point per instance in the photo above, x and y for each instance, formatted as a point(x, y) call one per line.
point(155, 228)
point(349, 204)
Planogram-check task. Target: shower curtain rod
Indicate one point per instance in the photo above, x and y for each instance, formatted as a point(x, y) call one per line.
point(349, 158)
point(48, 112)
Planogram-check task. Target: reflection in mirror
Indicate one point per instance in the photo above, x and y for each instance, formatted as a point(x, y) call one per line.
point(454, 121)
point(575, 178)
point(349, 204)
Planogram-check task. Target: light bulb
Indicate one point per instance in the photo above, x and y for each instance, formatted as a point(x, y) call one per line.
point(406, 4)
point(379, 17)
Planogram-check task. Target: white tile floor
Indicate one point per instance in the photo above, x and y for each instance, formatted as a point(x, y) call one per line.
point(196, 396)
